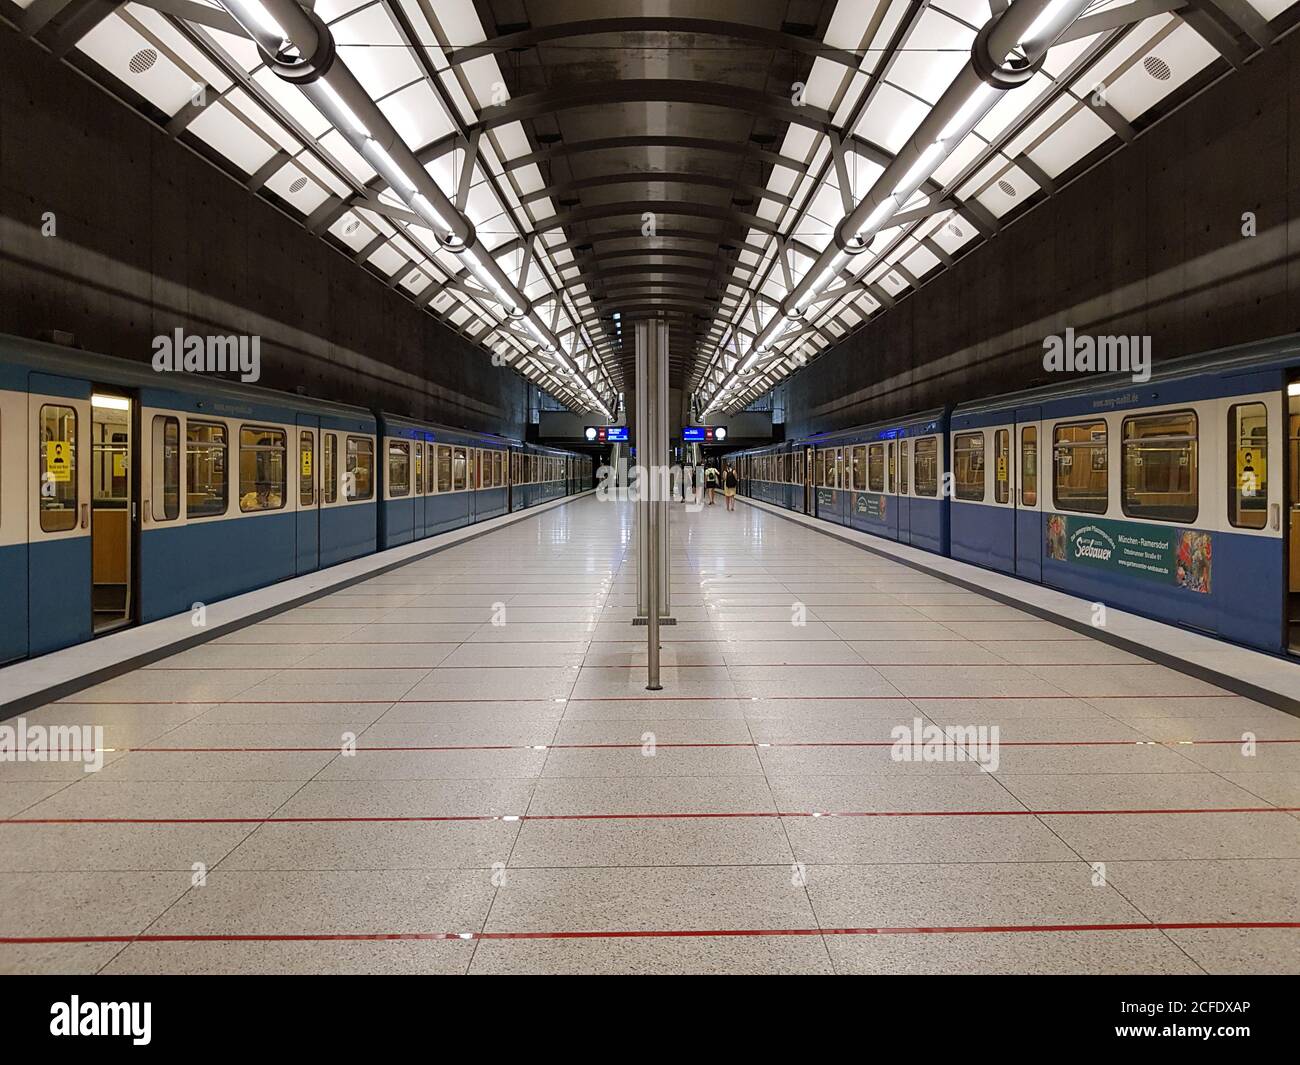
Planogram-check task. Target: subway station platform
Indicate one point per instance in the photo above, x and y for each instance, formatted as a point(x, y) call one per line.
point(454, 767)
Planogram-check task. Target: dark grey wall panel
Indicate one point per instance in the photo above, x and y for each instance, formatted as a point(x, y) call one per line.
point(1148, 243)
point(150, 238)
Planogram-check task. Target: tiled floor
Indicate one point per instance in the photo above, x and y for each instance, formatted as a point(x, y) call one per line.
point(518, 801)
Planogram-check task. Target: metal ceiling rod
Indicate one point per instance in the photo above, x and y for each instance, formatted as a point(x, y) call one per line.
point(298, 46)
point(1007, 52)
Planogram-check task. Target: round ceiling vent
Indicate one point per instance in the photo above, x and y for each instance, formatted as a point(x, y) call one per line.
point(142, 60)
point(1007, 188)
point(351, 228)
point(1157, 68)
point(298, 185)
point(955, 230)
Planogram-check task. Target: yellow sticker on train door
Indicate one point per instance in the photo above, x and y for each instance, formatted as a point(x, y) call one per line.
point(1002, 467)
point(1252, 470)
point(58, 460)
point(306, 462)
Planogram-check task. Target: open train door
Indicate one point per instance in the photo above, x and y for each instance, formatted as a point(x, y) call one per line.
point(1026, 486)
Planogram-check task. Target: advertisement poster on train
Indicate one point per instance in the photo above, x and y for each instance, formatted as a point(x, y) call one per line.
point(1181, 557)
point(870, 505)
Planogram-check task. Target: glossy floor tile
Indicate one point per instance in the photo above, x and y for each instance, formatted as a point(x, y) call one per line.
point(853, 765)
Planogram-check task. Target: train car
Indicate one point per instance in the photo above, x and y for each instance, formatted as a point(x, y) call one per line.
point(1165, 497)
point(1177, 497)
point(544, 473)
point(436, 479)
point(886, 478)
point(769, 474)
point(128, 495)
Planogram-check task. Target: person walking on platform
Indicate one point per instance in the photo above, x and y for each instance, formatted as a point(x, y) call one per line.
point(730, 482)
point(711, 482)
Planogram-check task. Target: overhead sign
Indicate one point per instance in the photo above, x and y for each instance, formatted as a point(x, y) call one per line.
point(704, 434)
point(606, 434)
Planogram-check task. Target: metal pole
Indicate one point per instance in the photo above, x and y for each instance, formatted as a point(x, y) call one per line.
point(651, 458)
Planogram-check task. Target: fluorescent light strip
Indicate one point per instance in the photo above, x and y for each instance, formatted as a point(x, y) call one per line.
point(387, 166)
point(336, 110)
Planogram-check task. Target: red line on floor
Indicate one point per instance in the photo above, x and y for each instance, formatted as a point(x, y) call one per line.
point(694, 815)
point(631, 746)
point(682, 933)
point(633, 699)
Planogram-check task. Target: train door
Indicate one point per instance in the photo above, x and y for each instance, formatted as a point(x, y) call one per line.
point(418, 489)
point(809, 487)
point(307, 518)
point(1025, 488)
point(903, 500)
point(114, 510)
point(1248, 428)
point(59, 536)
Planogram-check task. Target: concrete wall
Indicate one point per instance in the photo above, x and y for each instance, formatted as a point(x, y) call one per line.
point(1148, 243)
point(150, 238)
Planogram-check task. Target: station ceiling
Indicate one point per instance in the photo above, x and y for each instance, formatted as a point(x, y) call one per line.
point(686, 159)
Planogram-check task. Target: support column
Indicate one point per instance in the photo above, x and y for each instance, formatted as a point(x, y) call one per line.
point(653, 586)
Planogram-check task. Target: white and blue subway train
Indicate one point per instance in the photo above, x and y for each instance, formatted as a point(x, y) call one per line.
point(127, 495)
point(1177, 498)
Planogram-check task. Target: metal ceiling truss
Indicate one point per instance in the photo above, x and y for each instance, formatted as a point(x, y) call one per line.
point(1230, 21)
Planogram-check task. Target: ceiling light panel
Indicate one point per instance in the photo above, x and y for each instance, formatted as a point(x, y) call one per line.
point(140, 63)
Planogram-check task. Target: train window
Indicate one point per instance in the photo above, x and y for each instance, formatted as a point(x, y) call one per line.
point(166, 468)
point(498, 469)
point(1029, 466)
point(417, 458)
point(307, 469)
point(330, 467)
point(1248, 465)
point(262, 479)
point(205, 469)
point(459, 469)
point(1159, 474)
point(58, 490)
point(841, 476)
point(1001, 465)
point(1079, 467)
point(399, 468)
point(361, 467)
point(889, 450)
point(876, 468)
point(903, 447)
point(926, 471)
point(968, 465)
point(444, 467)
